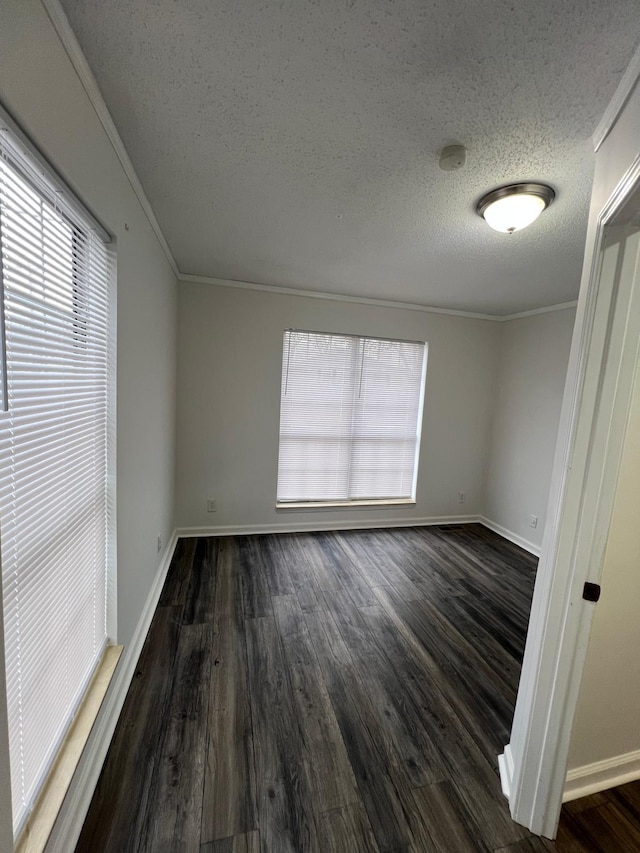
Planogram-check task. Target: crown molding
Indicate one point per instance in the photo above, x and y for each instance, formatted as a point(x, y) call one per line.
point(366, 300)
point(336, 297)
point(561, 306)
point(71, 45)
point(618, 101)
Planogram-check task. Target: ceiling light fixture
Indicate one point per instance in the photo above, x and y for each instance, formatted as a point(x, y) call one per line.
point(515, 206)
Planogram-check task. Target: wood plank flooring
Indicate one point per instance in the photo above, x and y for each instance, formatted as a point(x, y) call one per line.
point(333, 692)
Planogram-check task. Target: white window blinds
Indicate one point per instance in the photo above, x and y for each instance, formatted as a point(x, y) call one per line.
point(350, 417)
point(54, 444)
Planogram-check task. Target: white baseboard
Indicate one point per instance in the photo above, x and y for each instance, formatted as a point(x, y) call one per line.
point(317, 526)
point(601, 775)
point(512, 537)
point(67, 828)
point(505, 765)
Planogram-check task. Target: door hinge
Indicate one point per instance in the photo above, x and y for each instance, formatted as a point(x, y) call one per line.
point(591, 591)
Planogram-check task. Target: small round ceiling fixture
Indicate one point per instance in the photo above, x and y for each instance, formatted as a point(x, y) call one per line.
point(452, 157)
point(515, 206)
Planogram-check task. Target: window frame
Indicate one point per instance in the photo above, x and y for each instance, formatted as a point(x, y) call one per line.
point(284, 505)
point(54, 196)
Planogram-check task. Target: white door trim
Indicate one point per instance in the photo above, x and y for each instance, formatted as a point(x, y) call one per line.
point(591, 435)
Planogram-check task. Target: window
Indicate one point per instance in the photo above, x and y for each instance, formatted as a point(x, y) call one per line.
point(350, 417)
point(55, 446)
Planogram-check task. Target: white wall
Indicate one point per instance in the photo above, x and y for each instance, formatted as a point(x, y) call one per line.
point(39, 87)
point(533, 358)
point(229, 369)
point(607, 720)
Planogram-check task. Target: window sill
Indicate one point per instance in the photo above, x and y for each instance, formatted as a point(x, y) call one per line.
point(35, 834)
point(298, 505)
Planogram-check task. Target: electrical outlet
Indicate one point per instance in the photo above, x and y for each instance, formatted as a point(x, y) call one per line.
point(159, 543)
point(212, 505)
point(533, 521)
point(461, 497)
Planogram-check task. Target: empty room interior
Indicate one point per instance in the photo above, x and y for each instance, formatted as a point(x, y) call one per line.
point(319, 426)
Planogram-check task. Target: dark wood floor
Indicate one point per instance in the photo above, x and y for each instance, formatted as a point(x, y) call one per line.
point(332, 692)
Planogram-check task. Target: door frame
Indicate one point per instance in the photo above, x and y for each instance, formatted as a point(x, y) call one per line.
point(596, 403)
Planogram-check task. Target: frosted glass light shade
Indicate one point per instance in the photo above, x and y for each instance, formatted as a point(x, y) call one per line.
point(511, 208)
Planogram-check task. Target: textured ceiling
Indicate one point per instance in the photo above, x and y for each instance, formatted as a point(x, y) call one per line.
point(296, 142)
